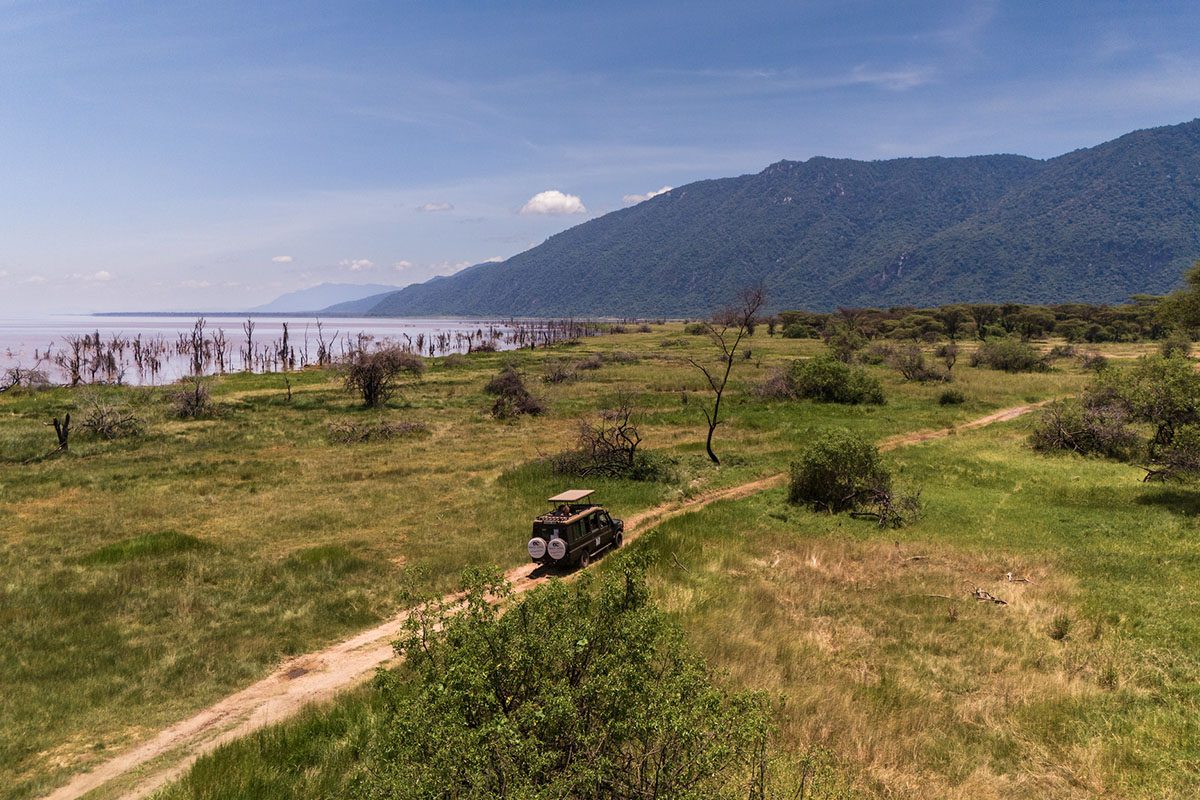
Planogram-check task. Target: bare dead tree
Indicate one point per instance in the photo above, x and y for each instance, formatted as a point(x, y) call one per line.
point(248, 355)
point(609, 447)
point(727, 329)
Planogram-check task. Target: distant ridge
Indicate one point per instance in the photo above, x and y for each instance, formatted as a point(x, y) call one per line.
point(1098, 224)
point(318, 297)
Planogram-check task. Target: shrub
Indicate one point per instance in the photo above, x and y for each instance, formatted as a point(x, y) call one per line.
point(836, 471)
point(108, 420)
point(1177, 344)
point(909, 361)
point(593, 361)
point(559, 372)
point(695, 329)
point(877, 353)
point(951, 397)
point(512, 398)
point(644, 328)
point(191, 400)
point(1097, 428)
point(574, 692)
point(1093, 361)
point(353, 432)
point(1062, 351)
point(841, 471)
point(617, 329)
point(610, 447)
point(844, 342)
point(827, 380)
point(1060, 627)
point(622, 357)
point(488, 346)
point(374, 376)
point(777, 386)
point(1009, 355)
point(455, 360)
point(798, 330)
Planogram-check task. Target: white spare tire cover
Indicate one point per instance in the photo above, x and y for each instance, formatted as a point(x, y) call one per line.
point(537, 547)
point(557, 548)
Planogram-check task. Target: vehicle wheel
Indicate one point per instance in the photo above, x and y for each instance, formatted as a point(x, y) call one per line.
point(585, 559)
point(620, 540)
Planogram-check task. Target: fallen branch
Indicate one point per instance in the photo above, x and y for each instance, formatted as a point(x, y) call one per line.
point(678, 563)
point(1017, 578)
point(985, 596)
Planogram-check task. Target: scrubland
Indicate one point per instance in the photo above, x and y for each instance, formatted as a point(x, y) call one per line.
point(148, 576)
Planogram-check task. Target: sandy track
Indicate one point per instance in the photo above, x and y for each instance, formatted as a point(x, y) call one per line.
point(320, 676)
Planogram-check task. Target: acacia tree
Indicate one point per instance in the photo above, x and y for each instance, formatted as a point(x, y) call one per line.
point(727, 329)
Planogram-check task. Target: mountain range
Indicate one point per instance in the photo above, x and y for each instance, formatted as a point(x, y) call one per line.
point(1096, 225)
point(322, 295)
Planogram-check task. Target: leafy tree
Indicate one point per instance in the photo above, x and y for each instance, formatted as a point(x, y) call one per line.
point(581, 690)
point(1164, 392)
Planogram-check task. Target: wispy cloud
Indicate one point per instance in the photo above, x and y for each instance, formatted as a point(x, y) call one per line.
point(283, 259)
point(357, 264)
point(433, 208)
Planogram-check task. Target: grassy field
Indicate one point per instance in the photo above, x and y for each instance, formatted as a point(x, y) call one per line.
point(1084, 685)
point(146, 577)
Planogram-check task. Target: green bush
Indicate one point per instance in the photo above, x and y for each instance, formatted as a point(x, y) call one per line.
point(827, 380)
point(1009, 355)
point(1096, 428)
point(951, 397)
point(581, 690)
point(1177, 344)
point(798, 330)
point(837, 472)
point(695, 329)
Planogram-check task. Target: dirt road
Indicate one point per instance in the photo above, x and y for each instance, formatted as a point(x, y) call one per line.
point(321, 675)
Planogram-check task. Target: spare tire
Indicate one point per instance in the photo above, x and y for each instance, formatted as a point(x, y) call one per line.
point(536, 547)
point(557, 548)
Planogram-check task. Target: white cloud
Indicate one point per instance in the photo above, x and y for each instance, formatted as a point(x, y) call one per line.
point(630, 199)
point(493, 260)
point(283, 259)
point(402, 265)
point(195, 284)
point(552, 201)
point(357, 264)
point(101, 276)
point(430, 208)
point(36, 280)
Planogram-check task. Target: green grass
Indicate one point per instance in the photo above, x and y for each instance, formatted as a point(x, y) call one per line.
point(147, 577)
point(915, 696)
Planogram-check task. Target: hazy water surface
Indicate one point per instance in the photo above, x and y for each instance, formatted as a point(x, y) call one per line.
point(34, 341)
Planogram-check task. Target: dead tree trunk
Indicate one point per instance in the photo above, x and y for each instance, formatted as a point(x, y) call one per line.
point(63, 431)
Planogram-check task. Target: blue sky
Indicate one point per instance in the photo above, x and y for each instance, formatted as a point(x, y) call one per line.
point(158, 155)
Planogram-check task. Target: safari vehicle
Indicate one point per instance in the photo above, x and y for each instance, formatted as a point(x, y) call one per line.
point(574, 532)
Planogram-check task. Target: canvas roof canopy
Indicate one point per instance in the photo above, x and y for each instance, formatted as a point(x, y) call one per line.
point(571, 496)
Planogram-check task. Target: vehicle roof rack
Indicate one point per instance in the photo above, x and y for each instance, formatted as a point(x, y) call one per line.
point(571, 496)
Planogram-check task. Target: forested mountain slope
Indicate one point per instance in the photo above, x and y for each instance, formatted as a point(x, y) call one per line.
point(1094, 225)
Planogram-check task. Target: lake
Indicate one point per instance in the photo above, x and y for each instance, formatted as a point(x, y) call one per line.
point(159, 349)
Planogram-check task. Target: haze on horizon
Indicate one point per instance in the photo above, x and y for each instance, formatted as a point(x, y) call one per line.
point(215, 155)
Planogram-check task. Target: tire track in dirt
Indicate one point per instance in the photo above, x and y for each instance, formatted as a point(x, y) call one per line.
point(321, 675)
